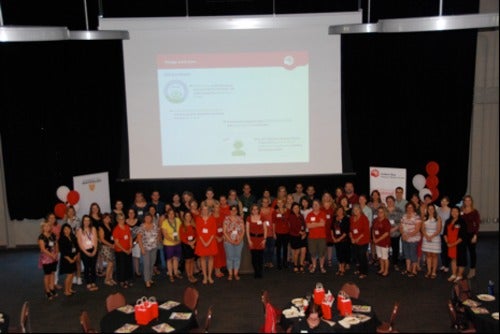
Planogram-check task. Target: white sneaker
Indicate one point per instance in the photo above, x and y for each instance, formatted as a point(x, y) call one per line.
point(452, 278)
point(75, 280)
point(79, 281)
point(458, 279)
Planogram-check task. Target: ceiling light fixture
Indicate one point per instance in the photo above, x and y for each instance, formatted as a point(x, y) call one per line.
point(421, 24)
point(31, 33)
point(91, 35)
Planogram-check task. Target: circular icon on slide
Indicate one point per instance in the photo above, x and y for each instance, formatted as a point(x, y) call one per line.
point(175, 91)
point(289, 61)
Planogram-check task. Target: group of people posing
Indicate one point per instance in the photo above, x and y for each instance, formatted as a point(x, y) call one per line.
point(297, 230)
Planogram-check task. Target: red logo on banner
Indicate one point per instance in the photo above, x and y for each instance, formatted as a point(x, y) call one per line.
point(375, 173)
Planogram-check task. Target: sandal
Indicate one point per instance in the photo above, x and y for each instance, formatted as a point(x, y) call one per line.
point(342, 273)
point(295, 269)
point(323, 270)
point(312, 269)
point(411, 275)
point(172, 280)
point(362, 276)
point(433, 276)
point(230, 278)
point(301, 269)
point(236, 277)
point(404, 272)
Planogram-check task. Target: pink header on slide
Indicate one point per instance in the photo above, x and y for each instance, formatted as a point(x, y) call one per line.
point(286, 59)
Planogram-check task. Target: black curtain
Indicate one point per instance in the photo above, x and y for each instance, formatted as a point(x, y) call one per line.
point(61, 111)
point(407, 100)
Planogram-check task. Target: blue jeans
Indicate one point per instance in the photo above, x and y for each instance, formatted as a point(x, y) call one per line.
point(233, 255)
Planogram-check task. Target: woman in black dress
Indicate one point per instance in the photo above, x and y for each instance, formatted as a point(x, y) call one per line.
point(68, 246)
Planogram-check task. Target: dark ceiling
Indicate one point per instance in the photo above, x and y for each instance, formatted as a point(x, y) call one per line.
point(71, 13)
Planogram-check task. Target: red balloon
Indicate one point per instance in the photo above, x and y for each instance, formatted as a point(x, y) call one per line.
point(432, 181)
point(434, 193)
point(60, 210)
point(73, 197)
point(432, 168)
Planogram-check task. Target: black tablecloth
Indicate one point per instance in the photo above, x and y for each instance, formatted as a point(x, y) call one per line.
point(369, 326)
point(4, 326)
point(484, 323)
point(115, 319)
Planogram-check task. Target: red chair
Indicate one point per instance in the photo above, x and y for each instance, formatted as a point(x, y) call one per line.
point(388, 327)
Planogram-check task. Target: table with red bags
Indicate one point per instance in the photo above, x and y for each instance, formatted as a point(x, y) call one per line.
point(169, 316)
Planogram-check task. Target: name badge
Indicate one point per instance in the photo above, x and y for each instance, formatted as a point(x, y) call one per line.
point(219, 230)
point(174, 234)
point(245, 209)
point(375, 216)
point(140, 212)
point(457, 226)
point(204, 230)
point(350, 205)
point(125, 237)
point(51, 243)
point(234, 232)
point(327, 216)
point(377, 232)
point(73, 250)
point(267, 223)
point(307, 230)
point(392, 222)
point(259, 222)
point(302, 228)
point(279, 215)
point(313, 219)
point(190, 238)
point(337, 232)
point(88, 244)
point(355, 231)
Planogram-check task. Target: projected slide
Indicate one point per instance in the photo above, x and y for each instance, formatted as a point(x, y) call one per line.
point(245, 108)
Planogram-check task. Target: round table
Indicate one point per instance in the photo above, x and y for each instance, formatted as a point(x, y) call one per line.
point(484, 323)
point(115, 319)
point(369, 326)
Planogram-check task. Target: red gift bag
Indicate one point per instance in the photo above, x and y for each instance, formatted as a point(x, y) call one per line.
point(153, 307)
point(319, 295)
point(142, 312)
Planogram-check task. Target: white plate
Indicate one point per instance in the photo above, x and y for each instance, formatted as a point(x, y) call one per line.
point(495, 315)
point(298, 302)
point(352, 320)
point(486, 298)
point(291, 313)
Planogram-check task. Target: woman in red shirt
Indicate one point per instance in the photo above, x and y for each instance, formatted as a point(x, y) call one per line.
point(188, 242)
point(315, 222)
point(298, 237)
point(360, 238)
point(122, 237)
point(381, 230)
point(206, 244)
point(256, 236)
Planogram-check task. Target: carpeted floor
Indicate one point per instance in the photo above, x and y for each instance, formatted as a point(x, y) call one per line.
point(236, 304)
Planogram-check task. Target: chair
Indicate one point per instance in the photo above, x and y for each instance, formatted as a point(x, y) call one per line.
point(388, 327)
point(190, 298)
point(24, 320)
point(351, 289)
point(85, 323)
point(114, 301)
point(206, 326)
point(459, 321)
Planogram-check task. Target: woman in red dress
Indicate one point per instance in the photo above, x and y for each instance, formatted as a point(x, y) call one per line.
point(256, 236)
point(206, 243)
point(220, 258)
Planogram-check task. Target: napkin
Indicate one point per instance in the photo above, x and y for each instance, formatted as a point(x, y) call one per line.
point(163, 328)
point(169, 304)
point(126, 309)
point(180, 315)
point(479, 310)
point(127, 328)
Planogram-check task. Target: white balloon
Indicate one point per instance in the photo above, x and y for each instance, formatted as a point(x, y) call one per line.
point(62, 193)
point(419, 181)
point(424, 192)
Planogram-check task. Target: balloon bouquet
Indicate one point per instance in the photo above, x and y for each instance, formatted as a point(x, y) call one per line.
point(420, 182)
point(67, 197)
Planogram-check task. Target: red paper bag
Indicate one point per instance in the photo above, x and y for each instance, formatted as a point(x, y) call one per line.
point(327, 311)
point(319, 295)
point(153, 307)
point(142, 312)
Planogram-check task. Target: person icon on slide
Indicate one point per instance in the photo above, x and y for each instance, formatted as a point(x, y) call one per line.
point(238, 149)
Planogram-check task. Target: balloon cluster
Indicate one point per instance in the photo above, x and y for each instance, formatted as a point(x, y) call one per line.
point(67, 197)
point(420, 182)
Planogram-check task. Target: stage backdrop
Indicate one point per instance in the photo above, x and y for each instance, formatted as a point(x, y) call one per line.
point(92, 188)
point(386, 179)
